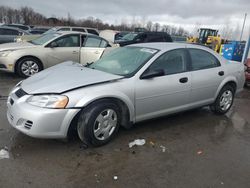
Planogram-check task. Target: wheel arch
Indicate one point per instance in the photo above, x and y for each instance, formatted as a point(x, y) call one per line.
point(27, 56)
point(126, 113)
point(228, 81)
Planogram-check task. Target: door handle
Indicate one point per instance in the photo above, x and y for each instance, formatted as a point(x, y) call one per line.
point(221, 73)
point(183, 80)
point(97, 52)
point(75, 52)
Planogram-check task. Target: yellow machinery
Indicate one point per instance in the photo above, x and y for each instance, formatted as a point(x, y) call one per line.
point(208, 37)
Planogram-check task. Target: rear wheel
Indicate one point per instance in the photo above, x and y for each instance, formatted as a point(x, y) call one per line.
point(29, 66)
point(99, 123)
point(224, 100)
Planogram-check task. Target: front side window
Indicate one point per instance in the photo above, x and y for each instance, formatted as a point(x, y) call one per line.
point(171, 62)
point(68, 41)
point(202, 59)
point(124, 61)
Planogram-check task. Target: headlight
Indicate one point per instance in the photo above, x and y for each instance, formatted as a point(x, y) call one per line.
point(5, 53)
point(48, 101)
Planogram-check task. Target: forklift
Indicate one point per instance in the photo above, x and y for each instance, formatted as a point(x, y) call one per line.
point(208, 37)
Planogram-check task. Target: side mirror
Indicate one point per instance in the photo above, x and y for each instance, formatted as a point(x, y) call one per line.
point(53, 45)
point(151, 74)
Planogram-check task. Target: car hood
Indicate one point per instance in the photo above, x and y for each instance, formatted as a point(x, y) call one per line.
point(63, 77)
point(15, 46)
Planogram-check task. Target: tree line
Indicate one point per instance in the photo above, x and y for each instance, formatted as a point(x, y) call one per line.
point(27, 16)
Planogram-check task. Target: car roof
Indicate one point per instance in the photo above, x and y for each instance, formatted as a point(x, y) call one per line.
point(168, 45)
point(13, 28)
point(73, 32)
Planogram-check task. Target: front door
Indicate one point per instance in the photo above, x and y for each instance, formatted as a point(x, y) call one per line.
point(167, 93)
point(65, 48)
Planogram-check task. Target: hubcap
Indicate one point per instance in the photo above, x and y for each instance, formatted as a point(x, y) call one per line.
point(29, 68)
point(226, 100)
point(105, 124)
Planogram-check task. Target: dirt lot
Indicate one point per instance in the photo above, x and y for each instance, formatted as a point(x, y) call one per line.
point(201, 150)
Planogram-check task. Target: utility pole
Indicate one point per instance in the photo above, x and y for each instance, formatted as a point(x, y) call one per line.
point(243, 26)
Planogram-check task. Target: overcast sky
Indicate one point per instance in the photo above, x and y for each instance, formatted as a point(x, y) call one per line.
point(187, 13)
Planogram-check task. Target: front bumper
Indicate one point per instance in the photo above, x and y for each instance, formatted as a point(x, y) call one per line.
point(38, 122)
point(7, 64)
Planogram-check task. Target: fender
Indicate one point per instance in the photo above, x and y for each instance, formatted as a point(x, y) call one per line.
point(223, 83)
point(85, 101)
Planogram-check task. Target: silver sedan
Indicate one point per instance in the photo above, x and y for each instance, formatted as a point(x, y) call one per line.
point(127, 85)
point(28, 58)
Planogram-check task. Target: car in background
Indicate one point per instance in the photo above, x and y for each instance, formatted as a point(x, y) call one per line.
point(78, 29)
point(20, 26)
point(9, 34)
point(144, 37)
point(112, 35)
point(129, 85)
point(56, 29)
point(28, 58)
point(38, 30)
point(247, 71)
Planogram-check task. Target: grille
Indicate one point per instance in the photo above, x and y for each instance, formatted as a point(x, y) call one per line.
point(11, 117)
point(28, 124)
point(20, 93)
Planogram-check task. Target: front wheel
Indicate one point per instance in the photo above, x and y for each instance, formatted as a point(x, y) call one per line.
point(224, 100)
point(29, 66)
point(99, 123)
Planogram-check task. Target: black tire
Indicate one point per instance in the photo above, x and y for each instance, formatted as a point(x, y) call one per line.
point(87, 122)
point(216, 107)
point(33, 66)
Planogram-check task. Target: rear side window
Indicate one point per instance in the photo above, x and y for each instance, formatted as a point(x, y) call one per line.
point(93, 42)
point(79, 30)
point(10, 32)
point(64, 29)
point(171, 62)
point(92, 31)
point(202, 59)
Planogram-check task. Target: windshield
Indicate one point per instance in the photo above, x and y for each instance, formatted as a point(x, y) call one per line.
point(129, 36)
point(124, 61)
point(44, 38)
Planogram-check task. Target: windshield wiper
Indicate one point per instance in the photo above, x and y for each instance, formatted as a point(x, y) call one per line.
point(88, 64)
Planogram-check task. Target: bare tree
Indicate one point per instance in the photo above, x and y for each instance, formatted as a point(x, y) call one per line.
point(149, 25)
point(157, 27)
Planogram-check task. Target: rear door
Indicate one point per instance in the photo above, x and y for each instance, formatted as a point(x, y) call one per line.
point(92, 48)
point(67, 49)
point(207, 74)
point(167, 93)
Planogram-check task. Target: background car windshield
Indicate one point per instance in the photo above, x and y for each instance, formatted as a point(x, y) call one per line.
point(52, 30)
point(124, 61)
point(44, 38)
point(129, 36)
